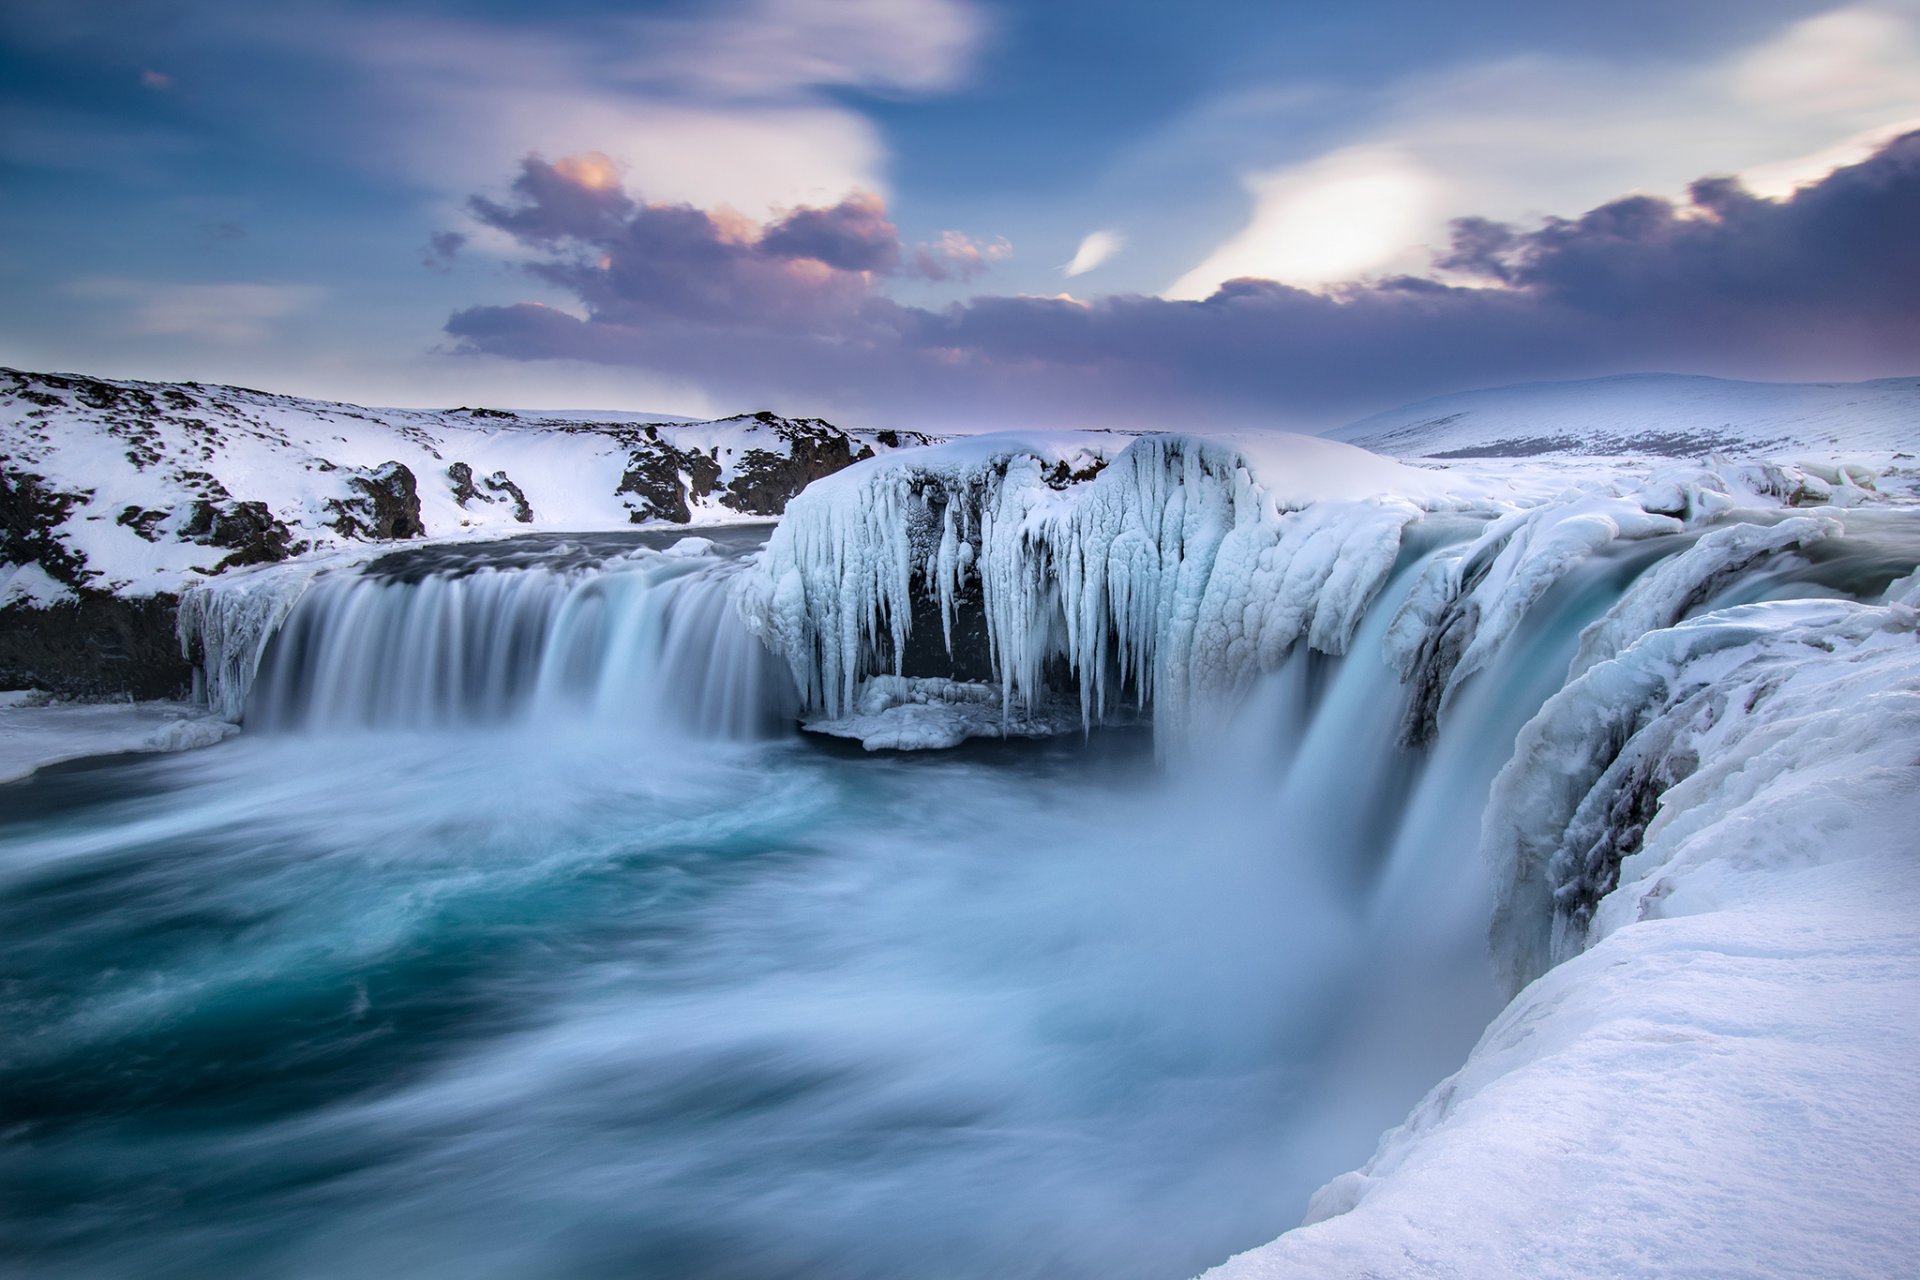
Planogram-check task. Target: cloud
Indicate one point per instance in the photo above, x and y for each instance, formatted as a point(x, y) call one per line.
point(1347, 213)
point(640, 265)
point(1820, 284)
point(734, 106)
point(734, 102)
point(853, 235)
point(955, 256)
point(1096, 248)
point(772, 47)
point(442, 248)
point(227, 314)
point(1515, 137)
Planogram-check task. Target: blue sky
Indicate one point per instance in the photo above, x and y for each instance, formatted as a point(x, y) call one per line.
point(591, 204)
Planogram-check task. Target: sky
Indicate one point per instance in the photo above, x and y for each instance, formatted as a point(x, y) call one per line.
point(958, 214)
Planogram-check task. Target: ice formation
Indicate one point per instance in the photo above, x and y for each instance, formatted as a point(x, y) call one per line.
point(1170, 578)
point(1721, 709)
point(1183, 571)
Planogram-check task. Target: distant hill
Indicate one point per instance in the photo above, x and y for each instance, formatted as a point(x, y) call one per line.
point(1675, 415)
point(137, 487)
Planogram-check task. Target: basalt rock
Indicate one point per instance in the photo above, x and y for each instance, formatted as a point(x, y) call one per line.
point(522, 509)
point(99, 644)
point(388, 506)
point(662, 479)
point(249, 529)
point(30, 511)
point(765, 482)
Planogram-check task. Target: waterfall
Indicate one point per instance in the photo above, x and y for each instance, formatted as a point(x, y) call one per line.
point(554, 968)
point(649, 640)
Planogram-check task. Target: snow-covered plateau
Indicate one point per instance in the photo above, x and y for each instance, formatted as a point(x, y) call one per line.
point(1611, 761)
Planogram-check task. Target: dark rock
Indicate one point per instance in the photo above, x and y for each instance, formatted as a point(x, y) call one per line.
point(388, 506)
point(522, 509)
point(464, 490)
point(100, 644)
point(142, 522)
point(654, 475)
point(249, 529)
point(764, 482)
point(29, 514)
point(1060, 476)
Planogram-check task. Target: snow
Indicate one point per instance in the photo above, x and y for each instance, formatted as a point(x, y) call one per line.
point(1664, 594)
point(36, 731)
point(1722, 1082)
point(30, 585)
point(187, 442)
point(1672, 414)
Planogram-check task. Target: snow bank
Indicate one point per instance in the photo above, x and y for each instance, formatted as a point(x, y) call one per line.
point(1722, 1084)
point(1763, 696)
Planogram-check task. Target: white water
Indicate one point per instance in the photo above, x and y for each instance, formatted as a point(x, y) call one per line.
point(653, 641)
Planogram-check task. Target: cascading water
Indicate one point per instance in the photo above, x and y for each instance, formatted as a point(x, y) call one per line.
point(530, 940)
point(648, 640)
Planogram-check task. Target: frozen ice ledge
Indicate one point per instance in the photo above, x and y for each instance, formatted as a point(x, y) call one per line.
point(1183, 569)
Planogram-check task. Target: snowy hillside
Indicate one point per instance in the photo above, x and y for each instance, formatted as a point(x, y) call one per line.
point(138, 488)
point(1668, 414)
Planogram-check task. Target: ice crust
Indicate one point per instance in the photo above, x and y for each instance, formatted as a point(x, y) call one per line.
point(901, 713)
point(36, 731)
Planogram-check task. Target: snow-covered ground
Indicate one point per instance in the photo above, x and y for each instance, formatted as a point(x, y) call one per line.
point(1671, 414)
point(139, 488)
point(36, 731)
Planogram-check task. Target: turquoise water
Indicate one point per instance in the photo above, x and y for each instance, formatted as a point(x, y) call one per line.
point(504, 1003)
